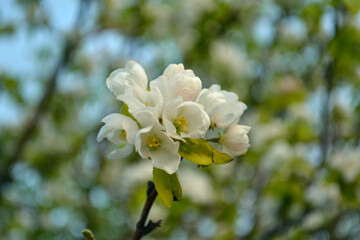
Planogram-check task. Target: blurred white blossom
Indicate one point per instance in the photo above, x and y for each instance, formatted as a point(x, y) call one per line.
point(347, 162)
point(197, 186)
point(229, 57)
point(322, 194)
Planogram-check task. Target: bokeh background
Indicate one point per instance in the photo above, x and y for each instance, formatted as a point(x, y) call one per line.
point(294, 63)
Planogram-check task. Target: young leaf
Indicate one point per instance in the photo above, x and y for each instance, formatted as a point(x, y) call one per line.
point(197, 151)
point(167, 186)
point(201, 152)
point(352, 5)
point(176, 187)
point(87, 234)
point(220, 157)
point(163, 186)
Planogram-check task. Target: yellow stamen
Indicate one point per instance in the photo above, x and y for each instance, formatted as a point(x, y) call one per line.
point(148, 104)
point(153, 142)
point(181, 124)
point(122, 134)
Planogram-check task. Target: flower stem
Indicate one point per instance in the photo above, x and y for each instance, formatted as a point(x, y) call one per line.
point(141, 229)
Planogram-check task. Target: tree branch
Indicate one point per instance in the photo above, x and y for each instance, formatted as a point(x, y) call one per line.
point(41, 108)
point(141, 229)
point(329, 75)
point(30, 127)
point(325, 134)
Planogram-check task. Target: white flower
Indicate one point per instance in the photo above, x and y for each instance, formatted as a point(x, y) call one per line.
point(185, 119)
point(184, 84)
point(323, 194)
point(176, 81)
point(146, 101)
point(151, 142)
point(223, 107)
point(347, 162)
point(235, 140)
point(131, 80)
point(120, 130)
point(172, 70)
point(192, 181)
point(162, 84)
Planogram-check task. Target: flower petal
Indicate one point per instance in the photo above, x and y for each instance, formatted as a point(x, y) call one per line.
point(122, 152)
point(133, 103)
point(137, 74)
point(162, 85)
point(131, 128)
point(171, 130)
point(186, 85)
point(104, 130)
point(131, 80)
point(147, 118)
point(165, 161)
point(223, 107)
point(115, 120)
point(198, 120)
point(173, 69)
point(140, 142)
point(170, 109)
point(236, 140)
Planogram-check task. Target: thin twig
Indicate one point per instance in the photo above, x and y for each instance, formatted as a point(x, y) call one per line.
point(141, 229)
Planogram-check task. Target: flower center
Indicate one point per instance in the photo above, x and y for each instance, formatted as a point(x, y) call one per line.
point(153, 142)
point(122, 135)
point(148, 103)
point(181, 124)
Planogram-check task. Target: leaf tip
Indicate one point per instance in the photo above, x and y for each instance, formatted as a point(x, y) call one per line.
point(87, 234)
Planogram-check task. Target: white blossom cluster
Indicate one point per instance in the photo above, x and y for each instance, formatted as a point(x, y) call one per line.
point(172, 109)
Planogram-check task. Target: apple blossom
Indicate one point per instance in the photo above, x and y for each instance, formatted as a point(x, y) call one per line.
point(171, 119)
point(235, 140)
point(151, 142)
point(173, 69)
point(162, 84)
point(147, 101)
point(184, 84)
point(223, 107)
point(347, 163)
point(185, 119)
point(121, 130)
point(132, 79)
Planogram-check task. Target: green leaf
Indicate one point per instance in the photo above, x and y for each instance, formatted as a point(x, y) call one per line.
point(220, 157)
point(352, 5)
point(7, 29)
point(201, 152)
point(176, 187)
point(167, 186)
point(197, 151)
point(87, 234)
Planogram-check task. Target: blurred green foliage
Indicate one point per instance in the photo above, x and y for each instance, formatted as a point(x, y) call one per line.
point(296, 64)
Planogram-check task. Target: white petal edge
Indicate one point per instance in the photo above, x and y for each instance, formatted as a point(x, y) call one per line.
point(122, 152)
